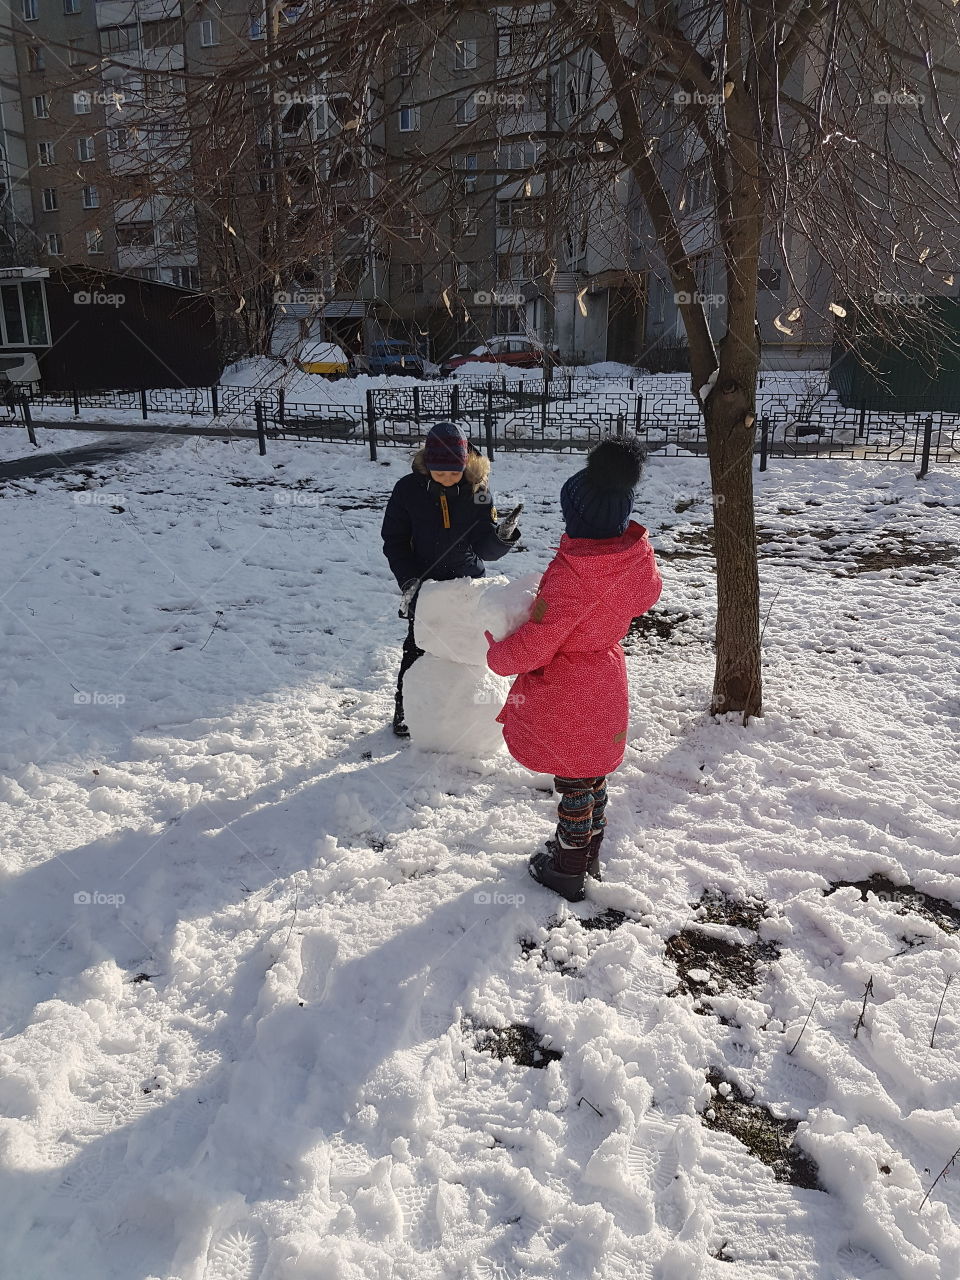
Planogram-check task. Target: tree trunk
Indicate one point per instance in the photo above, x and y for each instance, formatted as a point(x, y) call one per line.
point(737, 682)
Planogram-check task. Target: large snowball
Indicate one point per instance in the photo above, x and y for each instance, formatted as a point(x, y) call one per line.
point(453, 708)
point(452, 616)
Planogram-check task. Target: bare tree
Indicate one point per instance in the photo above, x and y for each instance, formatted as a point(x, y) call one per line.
point(824, 129)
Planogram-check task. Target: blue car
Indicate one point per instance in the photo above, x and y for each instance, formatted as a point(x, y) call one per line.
point(395, 356)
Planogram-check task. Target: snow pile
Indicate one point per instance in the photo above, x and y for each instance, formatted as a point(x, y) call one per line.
point(451, 698)
point(254, 949)
point(452, 616)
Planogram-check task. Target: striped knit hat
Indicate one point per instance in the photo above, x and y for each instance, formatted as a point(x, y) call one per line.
point(446, 448)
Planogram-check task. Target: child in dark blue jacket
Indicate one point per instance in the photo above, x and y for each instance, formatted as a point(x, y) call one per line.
point(440, 523)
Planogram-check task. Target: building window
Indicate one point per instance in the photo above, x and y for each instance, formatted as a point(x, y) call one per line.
point(412, 225)
point(464, 55)
point(409, 118)
point(41, 109)
point(91, 198)
point(411, 277)
point(135, 235)
point(35, 60)
point(769, 278)
point(119, 39)
point(517, 155)
point(54, 244)
point(45, 152)
point(86, 149)
point(161, 35)
point(185, 277)
point(504, 42)
point(465, 171)
point(209, 34)
point(465, 221)
point(23, 318)
point(95, 241)
point(122, 139)
point(49, 199)
point(30, 13)
point(466, 111)
point(81, 103)
point(408, 55)
point(520, 213)
point(75, 55)
point(258, 27)
point(71, 6)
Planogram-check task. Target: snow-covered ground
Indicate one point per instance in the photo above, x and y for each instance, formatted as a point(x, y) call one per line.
point(249, 938)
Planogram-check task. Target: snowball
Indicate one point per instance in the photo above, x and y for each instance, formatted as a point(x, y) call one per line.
point(453, 708)
point(452, 616)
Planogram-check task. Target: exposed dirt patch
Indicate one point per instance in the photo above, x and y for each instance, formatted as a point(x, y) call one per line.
point(710, 965)
point(608, 919)
point(653, 626)
point(939, 911)
point(764, 1135)
point(517, 1042)
point(689, 543)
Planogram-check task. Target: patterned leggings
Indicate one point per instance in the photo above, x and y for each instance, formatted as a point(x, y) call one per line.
point(581, 809)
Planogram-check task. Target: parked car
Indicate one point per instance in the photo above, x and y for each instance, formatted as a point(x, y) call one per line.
point(325, 358)
point(395, 356)
point(514, 349)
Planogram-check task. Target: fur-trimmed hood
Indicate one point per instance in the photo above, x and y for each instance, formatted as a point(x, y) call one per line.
point(476, 472)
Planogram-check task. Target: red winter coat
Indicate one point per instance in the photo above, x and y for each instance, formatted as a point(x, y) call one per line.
point(567, 712)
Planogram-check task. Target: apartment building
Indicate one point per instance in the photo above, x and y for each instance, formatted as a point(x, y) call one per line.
point(96, 110)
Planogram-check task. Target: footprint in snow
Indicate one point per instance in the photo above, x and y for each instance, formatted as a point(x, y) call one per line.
point(418, 1206)
point(236, 1253)
point(653, 1163)
point(859, 1264)
point(91, 1176)
point(318, 952)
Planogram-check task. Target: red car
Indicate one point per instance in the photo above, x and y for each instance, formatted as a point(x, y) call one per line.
point(508, 348)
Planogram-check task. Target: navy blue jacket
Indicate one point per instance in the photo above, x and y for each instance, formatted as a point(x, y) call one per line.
point(437, 533)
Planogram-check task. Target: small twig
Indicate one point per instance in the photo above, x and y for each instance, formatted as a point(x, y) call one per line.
point(296, 904)
point(212, 630)
point(867, 992)
point(464, 1057)
point(942, 1172)
point(936, 1022)
point(805, 1021)
point(763, 632)
point(590, 1104)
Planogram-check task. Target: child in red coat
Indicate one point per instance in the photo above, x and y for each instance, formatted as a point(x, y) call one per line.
point(567, 713)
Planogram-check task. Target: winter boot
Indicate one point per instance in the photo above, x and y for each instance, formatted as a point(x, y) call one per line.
point(399, 726)
point(593, 866)
point(560, 869)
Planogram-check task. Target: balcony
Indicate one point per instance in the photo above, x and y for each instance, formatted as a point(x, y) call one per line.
point(122, 13)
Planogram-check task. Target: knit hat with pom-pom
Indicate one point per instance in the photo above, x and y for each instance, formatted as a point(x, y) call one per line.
point(597, 500)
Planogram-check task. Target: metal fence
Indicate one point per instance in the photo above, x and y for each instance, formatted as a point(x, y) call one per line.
point(526, 416)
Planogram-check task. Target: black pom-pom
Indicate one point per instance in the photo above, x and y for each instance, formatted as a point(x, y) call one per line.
point(616, 464)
